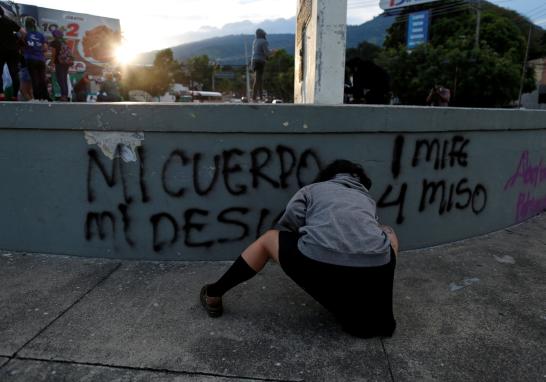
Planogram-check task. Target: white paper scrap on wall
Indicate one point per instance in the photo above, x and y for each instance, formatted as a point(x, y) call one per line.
point(108, 142)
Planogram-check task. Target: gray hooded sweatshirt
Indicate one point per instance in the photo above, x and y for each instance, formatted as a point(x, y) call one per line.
point(260, 47)
point(337, 223)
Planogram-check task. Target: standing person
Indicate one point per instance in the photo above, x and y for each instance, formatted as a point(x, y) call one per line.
point(10, 33)
point(260, 53)
point(36, 46)
point(109, 90)
point(371, 83)
point(82, 88)
point(439, 96)
point(331, 244)
point(61, 58)
point(25, 89)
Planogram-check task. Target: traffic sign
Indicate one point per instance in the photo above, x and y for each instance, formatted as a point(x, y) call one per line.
point(228, 75)
point(418, 24)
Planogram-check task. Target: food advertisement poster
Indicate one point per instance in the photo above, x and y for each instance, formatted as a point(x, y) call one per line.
point(93, 39)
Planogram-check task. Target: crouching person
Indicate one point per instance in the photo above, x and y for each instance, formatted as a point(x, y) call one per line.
point(331, 244)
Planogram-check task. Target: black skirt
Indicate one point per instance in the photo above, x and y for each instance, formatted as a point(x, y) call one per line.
point(359, 297)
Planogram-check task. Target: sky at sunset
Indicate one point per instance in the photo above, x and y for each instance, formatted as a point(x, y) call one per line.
point(150, 25)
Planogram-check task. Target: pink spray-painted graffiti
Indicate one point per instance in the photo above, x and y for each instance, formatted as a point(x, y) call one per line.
point(529, 176)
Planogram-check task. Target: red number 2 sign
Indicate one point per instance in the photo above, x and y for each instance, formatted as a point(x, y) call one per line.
point(73, 30)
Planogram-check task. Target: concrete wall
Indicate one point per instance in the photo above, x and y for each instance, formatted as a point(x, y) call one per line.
point(320, 51)
point(530, 100)
point(199, 182)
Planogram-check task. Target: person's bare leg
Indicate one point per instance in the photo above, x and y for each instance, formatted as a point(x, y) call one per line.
point(251, 261)
point(392, 237)
point(264, 248)
point(26, 90)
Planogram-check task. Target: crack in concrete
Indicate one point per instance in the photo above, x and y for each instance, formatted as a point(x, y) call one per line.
point(8, 360)
point(387, 359)
point(62, 313)
point(155, 370)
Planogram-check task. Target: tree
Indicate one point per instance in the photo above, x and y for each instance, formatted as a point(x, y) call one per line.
point(279, 76)
point(537, 48)
point(200, 71)
point(236, 85)
point(487, 76)
point(155, 80)
point(164, 62)
point(365, 51)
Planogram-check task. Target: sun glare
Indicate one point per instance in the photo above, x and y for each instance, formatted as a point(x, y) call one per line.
point(125, 55)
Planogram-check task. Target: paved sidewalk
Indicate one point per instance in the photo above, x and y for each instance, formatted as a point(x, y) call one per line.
point(469, 311)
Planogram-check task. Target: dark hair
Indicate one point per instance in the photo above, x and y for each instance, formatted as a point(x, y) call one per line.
point(342, 166)
point(1, 11)
point(30, 24)
point(260, 33)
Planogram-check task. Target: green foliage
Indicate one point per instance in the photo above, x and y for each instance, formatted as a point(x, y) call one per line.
point(155, 80)
point(537, 48)
point(235, 86)
point(164, 62)
point(364, 50)
point(200, 71)
point(139, 78)
point(485, 77)
point(279, 76)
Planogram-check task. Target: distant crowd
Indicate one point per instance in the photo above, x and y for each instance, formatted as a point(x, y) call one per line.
point(34, 63)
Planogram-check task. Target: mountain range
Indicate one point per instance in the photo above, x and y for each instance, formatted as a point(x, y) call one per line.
point(230, 49)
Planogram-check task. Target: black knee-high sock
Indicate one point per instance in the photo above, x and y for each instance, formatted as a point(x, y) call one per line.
point(239, 272)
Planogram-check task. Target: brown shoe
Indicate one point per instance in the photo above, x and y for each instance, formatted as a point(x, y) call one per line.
point(213, 305)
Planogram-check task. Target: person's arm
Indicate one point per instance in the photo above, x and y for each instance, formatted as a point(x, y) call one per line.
point(294, 214)
point(266, 50)
point(21, 33)
point(430, 94)
point(53, 55)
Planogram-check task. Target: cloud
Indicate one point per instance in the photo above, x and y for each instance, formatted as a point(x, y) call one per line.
point(279, 25)
point(541, 22)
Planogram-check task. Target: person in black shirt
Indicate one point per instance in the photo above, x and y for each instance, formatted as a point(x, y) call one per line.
point(61, 69)
point(10, 33)
point(109, 90)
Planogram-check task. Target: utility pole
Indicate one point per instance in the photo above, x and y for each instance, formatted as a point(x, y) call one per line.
point(478, 22)
point(247, 73)
point(213, 75)
point(525, 64)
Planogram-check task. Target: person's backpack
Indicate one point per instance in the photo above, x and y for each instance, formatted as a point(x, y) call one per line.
point(65, 56)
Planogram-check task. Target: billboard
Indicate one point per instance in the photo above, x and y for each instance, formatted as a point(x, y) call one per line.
point(393, 4)
point(93, 39)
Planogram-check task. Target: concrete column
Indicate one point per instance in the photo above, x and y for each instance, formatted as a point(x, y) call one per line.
point(320, 51)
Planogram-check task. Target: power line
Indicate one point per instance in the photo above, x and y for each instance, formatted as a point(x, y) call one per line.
point(534, 9)
point(443, 9)
point(539, 14)
point(532, 14)
point(438, 12)
point(363, 4)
